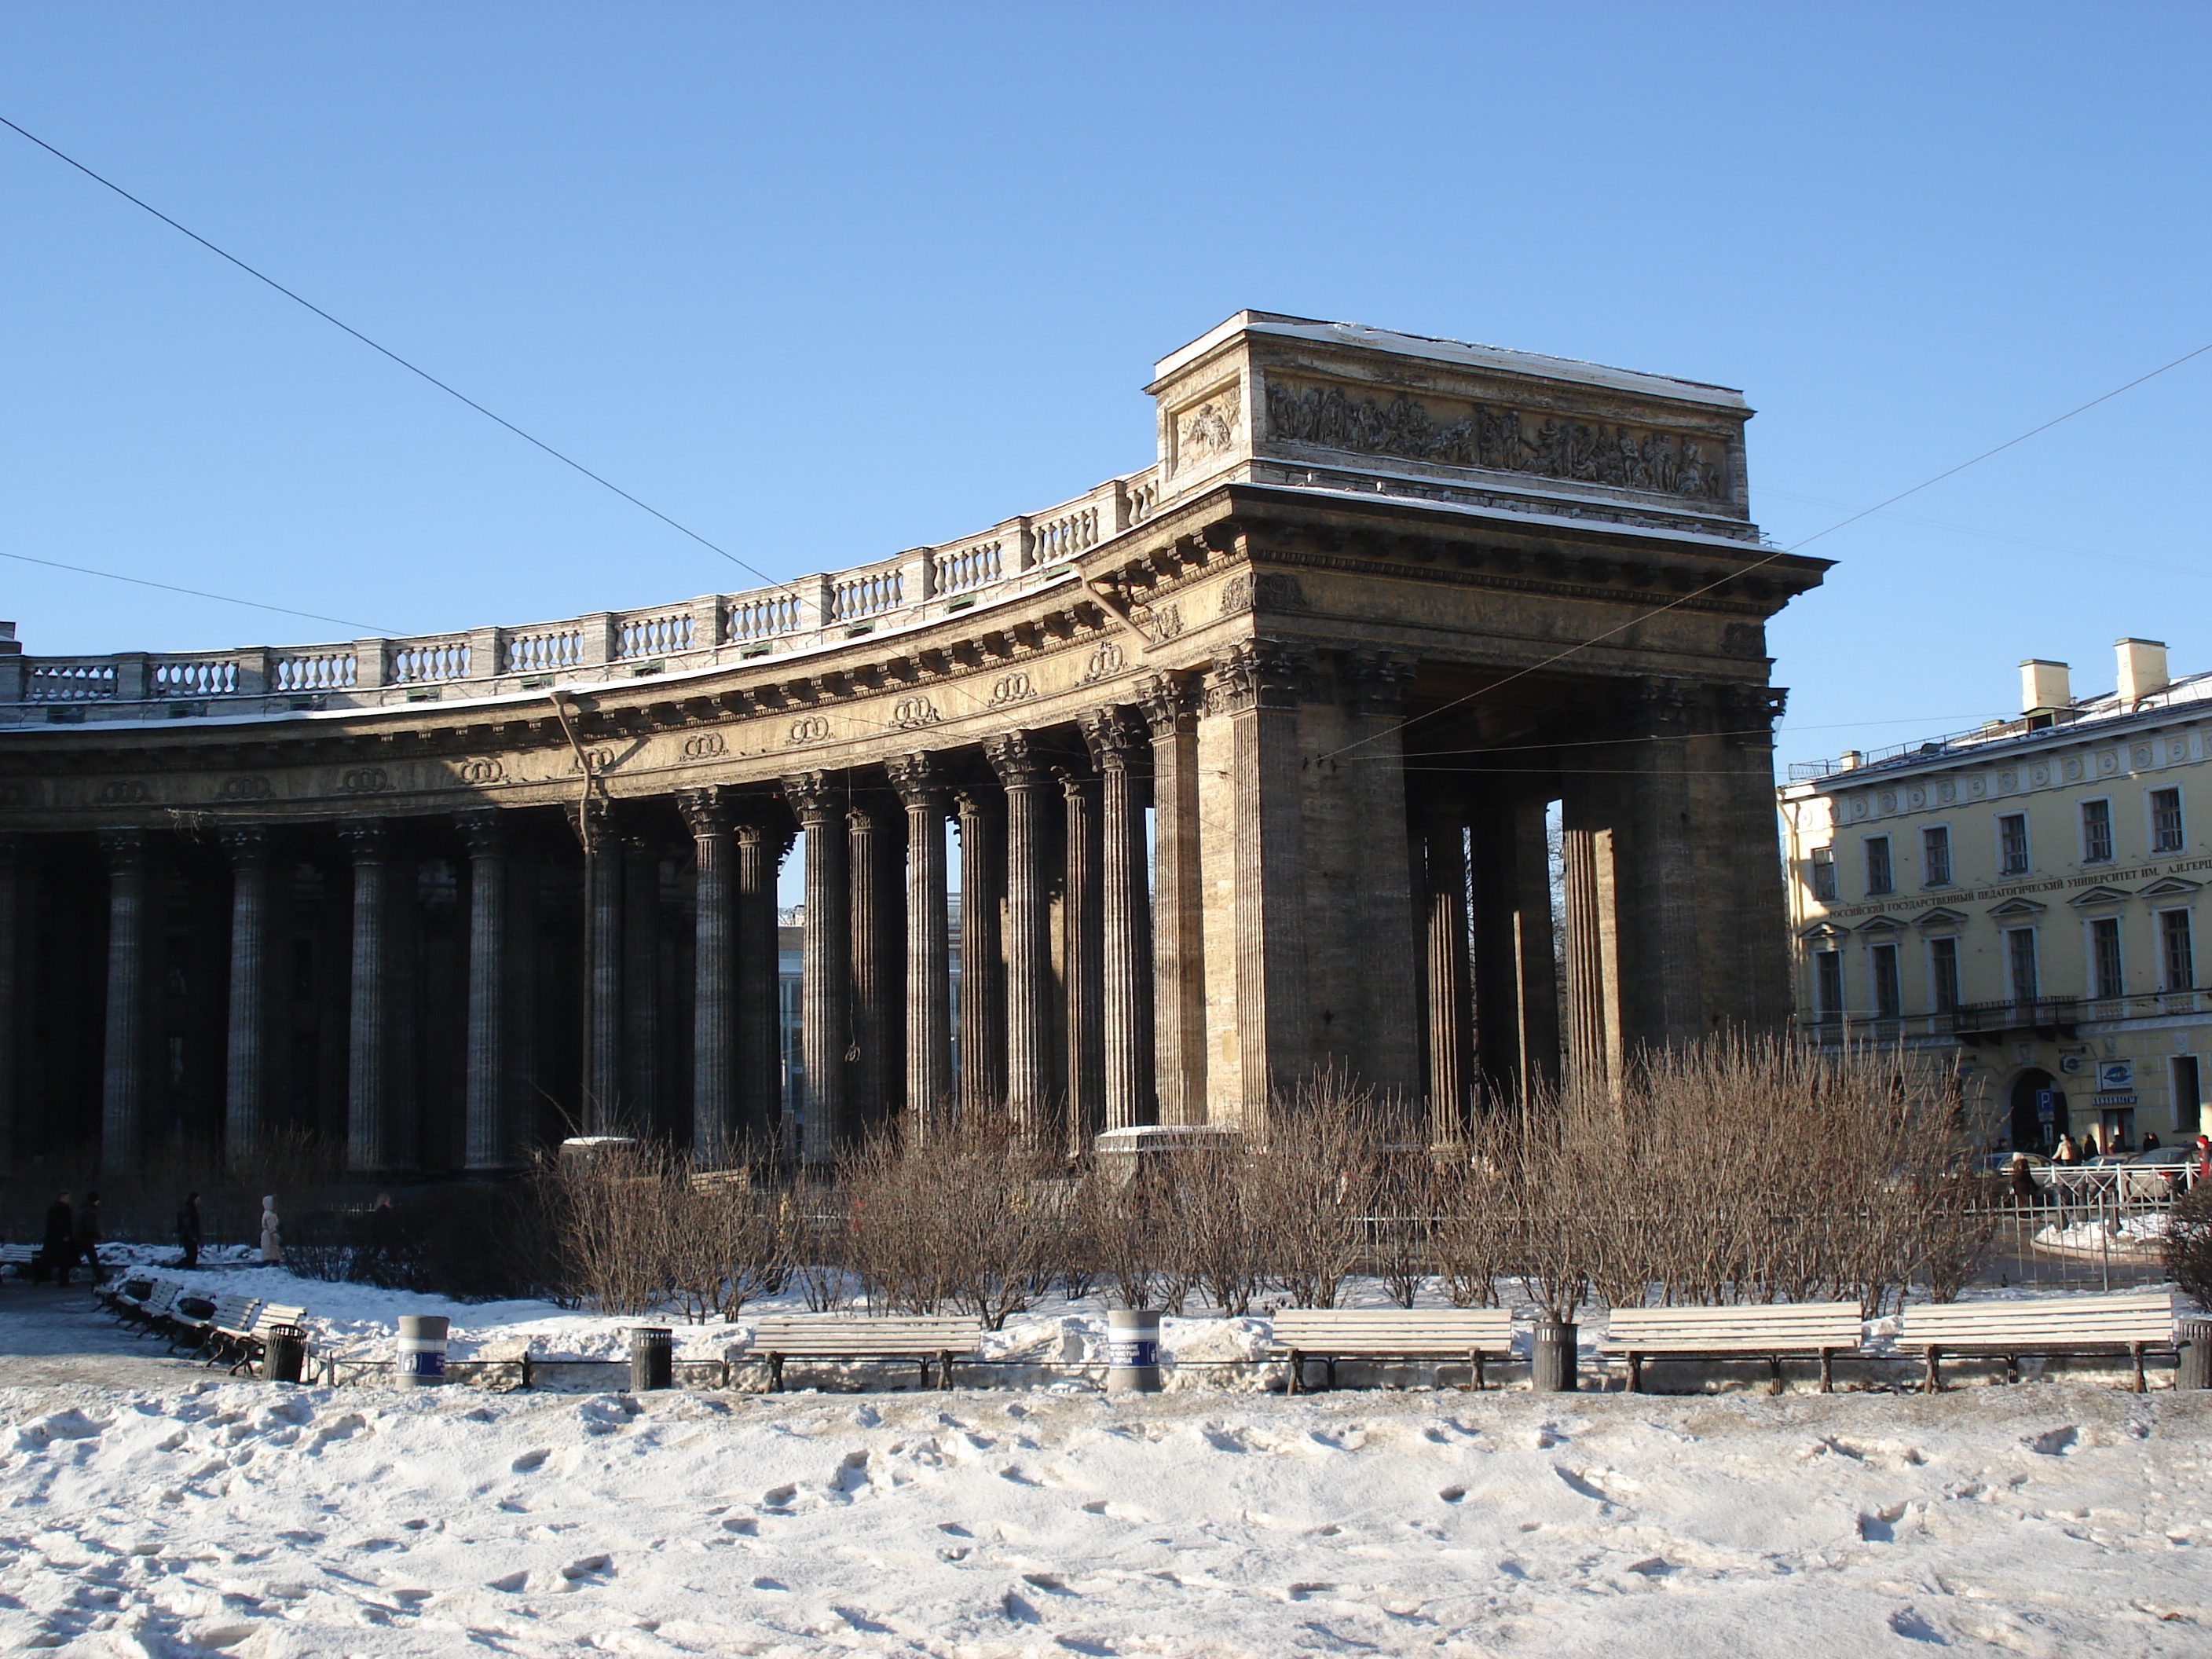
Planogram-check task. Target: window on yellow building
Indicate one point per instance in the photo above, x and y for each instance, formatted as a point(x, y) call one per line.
point(1936, 856)
point(1824, 874)
point(2105, 973)
point(2165, 835)
point(2012, 844)
point(1943, 974)
point(2096, 831)
point(2176, 959)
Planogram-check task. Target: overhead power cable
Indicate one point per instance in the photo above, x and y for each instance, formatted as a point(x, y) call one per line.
point(197, 593)
point(1778, 553)
point(262, 277)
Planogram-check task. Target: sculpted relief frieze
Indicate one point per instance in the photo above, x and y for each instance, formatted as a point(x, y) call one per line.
point(1503, 440)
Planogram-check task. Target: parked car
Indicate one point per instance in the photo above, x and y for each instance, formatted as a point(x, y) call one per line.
point(2157, 1173)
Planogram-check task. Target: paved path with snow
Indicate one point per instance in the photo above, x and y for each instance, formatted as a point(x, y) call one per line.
point(49, 1335)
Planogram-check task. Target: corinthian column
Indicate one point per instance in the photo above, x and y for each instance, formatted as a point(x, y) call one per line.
point(761, 849)
point(713, 1015)
point(1082, 952)
point(1450, 1037)
point(1171, 707)
point(122, 1056)
point(823, 1027)
point(490, 1141)
point(1126, 912)
point(603, 968)
point(921, 784)
point(1030, 1091)
point(368, 1080)
point(983, 968)
point(245, 1075)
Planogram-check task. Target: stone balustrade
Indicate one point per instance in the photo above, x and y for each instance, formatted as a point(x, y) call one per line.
point(1009, 560)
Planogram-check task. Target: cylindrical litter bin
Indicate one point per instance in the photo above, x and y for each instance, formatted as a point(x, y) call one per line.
point(2195, 1336)
point(1133, 1351)
point(652, 1358)
point(283, 1353)
point(1552, 1370)
point(421, 1351)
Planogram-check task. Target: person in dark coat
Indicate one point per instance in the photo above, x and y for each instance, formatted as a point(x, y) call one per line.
point(2024, 1189)
point(59, 1250)
point(189, 1231)
point(87, 1238)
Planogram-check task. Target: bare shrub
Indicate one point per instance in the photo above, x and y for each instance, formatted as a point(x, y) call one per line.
point(1217, 1247)
point(2187, 1249)
point(1311, 1187)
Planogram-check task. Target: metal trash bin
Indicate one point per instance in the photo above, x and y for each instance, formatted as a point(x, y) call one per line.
point(652, 1358)
point(1133, 1351)
point(2195, 1337)
point(1552, 1358)
point(421, 1351)
point(283, 1353)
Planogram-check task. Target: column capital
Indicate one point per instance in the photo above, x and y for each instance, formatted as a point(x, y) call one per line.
point(1377, 682)
point(1257, 673)
point(124, 845)
point(1108, 734)
point(710, 810)
point(246, 843)
point(1169, 703)
point(919, 778)
point(1013, 755)
point(485, 832)
point(365, 838)
point(592, 819)
point(1751, 711)
point(1659, 705)
point(775, 840)
point(812, 795)
point(1075, 783)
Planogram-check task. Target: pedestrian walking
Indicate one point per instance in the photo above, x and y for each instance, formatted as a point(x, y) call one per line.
point(2024, 1189)
point(272, 1239)
point(189, 1231)
point(2150, 1142)
point(2066, 1153)
point(87, 1240)
point(58, 1252)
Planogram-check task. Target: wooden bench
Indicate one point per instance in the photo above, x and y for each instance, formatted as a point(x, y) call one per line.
point(21, 1257)
point(232, 1319)
point(923, 1338)
point(1772, 1331)
point(2131, 1323)
point(246, 1348)
point(1329, 1334)
point(151, 1313)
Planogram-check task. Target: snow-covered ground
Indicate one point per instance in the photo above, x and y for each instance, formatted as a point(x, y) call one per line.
point(2050, 1519)
point(2137, 1233)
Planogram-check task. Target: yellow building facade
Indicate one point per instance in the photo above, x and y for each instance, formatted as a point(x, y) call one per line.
point(2029, 901)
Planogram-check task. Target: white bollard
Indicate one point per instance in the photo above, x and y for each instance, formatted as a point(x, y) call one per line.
point(421, 1351)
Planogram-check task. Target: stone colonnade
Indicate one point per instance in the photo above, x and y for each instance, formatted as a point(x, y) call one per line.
point(1173, 907)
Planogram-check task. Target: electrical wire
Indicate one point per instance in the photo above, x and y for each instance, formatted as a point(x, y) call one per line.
point(412, 369)
point(194, 592)
point(1778, 553)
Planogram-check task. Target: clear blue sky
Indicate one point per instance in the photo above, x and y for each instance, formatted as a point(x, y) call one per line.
point(825, 282)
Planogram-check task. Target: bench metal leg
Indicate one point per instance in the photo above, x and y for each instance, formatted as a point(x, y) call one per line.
point(1774, 1373)
point(1295, 1358)
point(1331, 1363)
point(1475, 1358)
point(2137, 1348)
point(1827, 1370)
point(1934, 1383)
point(775, 1373)
point(1636, 1373)
point(944, 1371)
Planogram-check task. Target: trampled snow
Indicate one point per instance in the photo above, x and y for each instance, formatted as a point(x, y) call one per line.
point(267, 1521)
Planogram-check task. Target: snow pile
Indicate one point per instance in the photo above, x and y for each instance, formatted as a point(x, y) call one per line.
point(2133, 1232)
point(269, 1523)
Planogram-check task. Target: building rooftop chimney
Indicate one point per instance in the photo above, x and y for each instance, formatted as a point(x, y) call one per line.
point(2142, 667)
point(2044, 686)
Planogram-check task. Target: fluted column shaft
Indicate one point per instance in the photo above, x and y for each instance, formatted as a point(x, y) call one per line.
point(982, 967)
point(1082, 952)
point(875, 1079)
point(714, 1013)
point(246, 1074)
point(1029, 1088)
point(921, 783)
point(1178, 950)
point(123, 1058)
point(824, 1024)
point(760, 851)
point(489, 1140)
point(368, 1072)
point(1126, 925)
point(641, 984)
point(603, 969)
point(1450, 1038)
point(1592, 1008)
